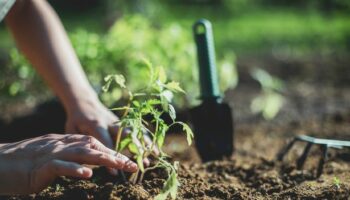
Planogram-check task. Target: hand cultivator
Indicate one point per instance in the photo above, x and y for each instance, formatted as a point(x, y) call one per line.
point(324, 144)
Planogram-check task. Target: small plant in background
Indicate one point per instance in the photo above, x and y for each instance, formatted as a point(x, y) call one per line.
point(152, 101)
point(270, 100)
point(117, 51)
point(336, 182)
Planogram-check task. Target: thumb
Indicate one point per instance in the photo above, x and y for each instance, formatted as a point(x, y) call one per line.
point(44, 175)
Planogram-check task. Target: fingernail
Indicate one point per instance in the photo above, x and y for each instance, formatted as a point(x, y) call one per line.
point(84, 171)
point(130, 166)
point(114, 172)
point(81, 171)
point(146, 162)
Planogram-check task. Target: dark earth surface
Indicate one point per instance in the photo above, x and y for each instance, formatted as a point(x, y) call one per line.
point(317, 104)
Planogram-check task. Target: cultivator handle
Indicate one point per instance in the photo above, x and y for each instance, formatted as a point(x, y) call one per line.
point(203, 36)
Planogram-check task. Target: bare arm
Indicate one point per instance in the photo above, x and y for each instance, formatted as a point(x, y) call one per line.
point(40, 35)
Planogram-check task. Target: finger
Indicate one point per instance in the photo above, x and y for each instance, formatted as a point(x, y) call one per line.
point(69, 138)
point(93, 143)
point(90, 142)
point(66, 168)
point(89, 156)
point(41, 177)
point(146, 162)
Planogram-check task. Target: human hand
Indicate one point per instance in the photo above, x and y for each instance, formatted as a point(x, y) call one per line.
point(30, 165)
point(91, 117)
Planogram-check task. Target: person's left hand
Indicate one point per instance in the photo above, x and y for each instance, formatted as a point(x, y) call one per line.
point(92, 118)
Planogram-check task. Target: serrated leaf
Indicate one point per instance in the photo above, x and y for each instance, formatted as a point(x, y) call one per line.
point(174, 86)
point(139, 161)
point(120, 80)
point(170, 187)
point(107, 78)
point(188, 131)
point(172, 112)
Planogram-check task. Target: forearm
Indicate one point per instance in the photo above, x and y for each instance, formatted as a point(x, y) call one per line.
point(41, 37)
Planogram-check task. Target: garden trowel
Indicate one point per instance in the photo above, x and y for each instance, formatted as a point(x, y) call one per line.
point(212, 119)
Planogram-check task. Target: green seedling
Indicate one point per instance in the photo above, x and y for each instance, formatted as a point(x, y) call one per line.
point(336, 182)
point(152, 101)
point(271, 99)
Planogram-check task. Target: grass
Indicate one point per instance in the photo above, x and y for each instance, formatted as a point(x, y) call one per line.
point(252, 31)
point(264, 29)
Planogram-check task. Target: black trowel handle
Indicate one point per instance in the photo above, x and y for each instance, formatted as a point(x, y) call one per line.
point(203, 36)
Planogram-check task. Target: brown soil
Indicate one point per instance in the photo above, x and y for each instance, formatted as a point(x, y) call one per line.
point(317, 103)
point(251, 173)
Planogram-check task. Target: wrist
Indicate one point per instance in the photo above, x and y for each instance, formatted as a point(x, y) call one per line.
point(80, 97)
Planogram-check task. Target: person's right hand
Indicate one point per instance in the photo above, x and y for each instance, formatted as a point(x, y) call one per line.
point(31, 165)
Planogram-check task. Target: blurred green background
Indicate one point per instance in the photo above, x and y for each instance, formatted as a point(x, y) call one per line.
point(112, 36)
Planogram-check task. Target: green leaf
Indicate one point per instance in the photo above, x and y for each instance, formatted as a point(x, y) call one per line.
point(139, 161)
point(188, 131)
point(168, 95)
point(124, 143)
point(106, 86)
point(165, 103)
point(153, 102)
point(172, 112)
point(160, 140)
point(136, 103)
point(121, 108)
point(133, 148)
point(161, 196)
point(174, 184)
point(170, 187)
point(268, 103)
point(160, 135)
point(266, 80)
point(161, 75)
point(174, 86)
point(120, 80)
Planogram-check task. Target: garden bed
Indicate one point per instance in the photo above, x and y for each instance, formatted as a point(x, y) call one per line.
point(251, 173)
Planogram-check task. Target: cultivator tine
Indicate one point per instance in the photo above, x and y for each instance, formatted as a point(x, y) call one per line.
point(324, 145)
point(285, 150)
point(324, 150)
point(302, 158)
